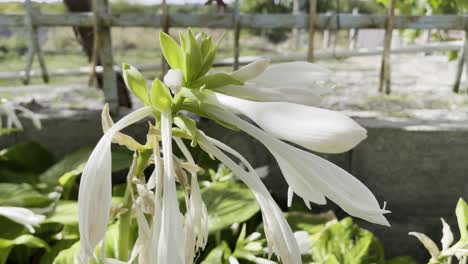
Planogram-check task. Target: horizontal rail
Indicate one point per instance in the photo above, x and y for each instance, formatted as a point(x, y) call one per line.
point(321, 55)
point(260, 21)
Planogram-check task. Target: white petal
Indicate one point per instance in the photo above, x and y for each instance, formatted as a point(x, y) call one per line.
point(277, 231)
point(294, 82)
point(94, 198)
point(303, 241)
point(22, 216)
point(447, 235)
point(251, 70)
point(312, 177)
point(171, 246)
point(233, 260)
point(428, 244)
point(314, 128)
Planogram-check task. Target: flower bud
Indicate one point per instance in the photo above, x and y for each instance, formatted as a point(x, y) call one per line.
point(173, 80)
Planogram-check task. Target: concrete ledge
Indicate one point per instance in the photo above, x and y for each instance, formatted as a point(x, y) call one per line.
point(419, 165)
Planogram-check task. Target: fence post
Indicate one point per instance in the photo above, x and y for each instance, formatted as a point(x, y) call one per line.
point(296, 31)
point(109, 79)
point(312, 18)
point(237, 29)
point(385, 80)
point(326, 34)
point(34, 46)
point(353, 33)
point(165, 29)
point(462, 59)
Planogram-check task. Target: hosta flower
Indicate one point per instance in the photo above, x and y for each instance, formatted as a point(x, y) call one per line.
point(8, 109)
point(276, 97)
point(22, 216)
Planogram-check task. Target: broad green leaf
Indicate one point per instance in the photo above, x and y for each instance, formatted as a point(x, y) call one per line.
point(136, 83)
point(121, 159)
point(161, 99)
point(60, 245)
point(26, 240)
point(228, 203)
point(462, 217)
point(361, 245)
point(22, 195)
point(29, 156)
point(171, 51)
point(7, 131)
point(111, 248)
point(214, 81)
point(312, 223)
point(67, 164)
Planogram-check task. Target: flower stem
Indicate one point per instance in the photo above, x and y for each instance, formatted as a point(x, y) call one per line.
point(125, 218)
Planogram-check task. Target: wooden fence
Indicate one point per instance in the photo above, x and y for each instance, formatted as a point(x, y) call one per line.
point(103, 19)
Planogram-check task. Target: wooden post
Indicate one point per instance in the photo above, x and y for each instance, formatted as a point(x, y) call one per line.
point(165, 29)
point(34, 46)
point(296, 31)
point(326, 34)
point(385, 80)
point(353, 33)
point(462, 59)
point(109, 85)
point(237, 29)
point(312, 18)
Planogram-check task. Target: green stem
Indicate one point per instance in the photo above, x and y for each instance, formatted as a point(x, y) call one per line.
point(125, 218)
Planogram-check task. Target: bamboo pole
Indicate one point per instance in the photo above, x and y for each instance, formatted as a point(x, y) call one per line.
point(96, 42)
point(34, 47)
point(312, 19)
point(385, 79)
point(296, 31)
point(326, 34)
point(109, 85)
point(237, 29)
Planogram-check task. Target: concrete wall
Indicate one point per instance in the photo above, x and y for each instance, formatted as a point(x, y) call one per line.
point(419, 167)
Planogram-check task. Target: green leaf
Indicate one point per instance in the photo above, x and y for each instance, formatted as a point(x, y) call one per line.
point(219, 254)
point(171, 51)
point(193, 57)
point(136, 83)
point(228, 203)
point(29, 156)
point(187, 125)
point(67, 256)
point(214, 81)
point(26, 240)
point(361, 245)
point(462, 217)
point(312, 223)
point(22, 195)
point(74, 163)
point(161, 99)
point(60, 245)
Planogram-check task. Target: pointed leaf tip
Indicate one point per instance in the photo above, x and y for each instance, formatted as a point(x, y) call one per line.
point(135, 82)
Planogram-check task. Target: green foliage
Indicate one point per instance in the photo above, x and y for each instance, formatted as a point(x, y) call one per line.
point(228, 203)
point(27, 240)
point(22, 195)
point(462, 218)
point(136, 83)
point(161, 99)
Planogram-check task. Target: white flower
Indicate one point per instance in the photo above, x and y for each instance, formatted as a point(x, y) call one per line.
point(94, 198)
point(311, 177)
point(9, 109)
point(277, 231)
point(173, 80)
point(22, 216)
point(296, 82)
point(314, 128)
point(303, 241)
point(171, 246)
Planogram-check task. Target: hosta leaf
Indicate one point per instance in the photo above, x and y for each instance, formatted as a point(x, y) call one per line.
point(136, 83)
point(215, 80)
point(228, 203)
point(171, 51)
point(462, 217)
